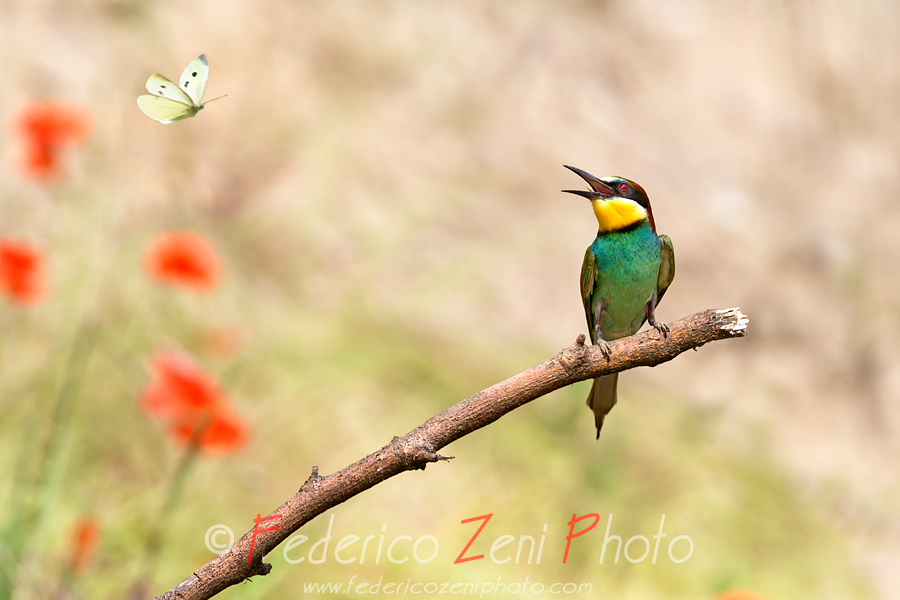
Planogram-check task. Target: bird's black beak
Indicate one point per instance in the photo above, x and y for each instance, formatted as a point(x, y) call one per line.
point(600, 189)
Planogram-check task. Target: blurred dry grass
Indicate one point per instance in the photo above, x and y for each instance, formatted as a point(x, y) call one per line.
point(382, 184)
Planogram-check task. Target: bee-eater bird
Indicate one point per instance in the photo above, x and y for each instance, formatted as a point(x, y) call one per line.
point(625, 274)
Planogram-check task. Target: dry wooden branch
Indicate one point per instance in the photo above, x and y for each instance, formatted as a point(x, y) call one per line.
point(419, 447)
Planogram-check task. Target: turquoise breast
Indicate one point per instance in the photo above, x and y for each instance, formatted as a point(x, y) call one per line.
point(627, 271)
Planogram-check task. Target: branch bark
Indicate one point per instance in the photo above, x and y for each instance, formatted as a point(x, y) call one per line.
point(419, 447)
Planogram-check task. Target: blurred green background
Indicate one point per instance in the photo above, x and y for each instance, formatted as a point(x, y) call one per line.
point(382, 185)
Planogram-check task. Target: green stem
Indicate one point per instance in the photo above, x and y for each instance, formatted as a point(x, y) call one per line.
point(29, 505)
point(172, 498)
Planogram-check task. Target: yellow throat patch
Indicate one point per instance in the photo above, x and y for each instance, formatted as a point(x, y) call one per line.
point(617, 213)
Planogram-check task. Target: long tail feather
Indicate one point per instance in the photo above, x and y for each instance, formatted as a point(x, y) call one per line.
point(602, 398)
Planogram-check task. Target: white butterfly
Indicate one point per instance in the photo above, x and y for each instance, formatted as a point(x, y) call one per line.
point(169, 102)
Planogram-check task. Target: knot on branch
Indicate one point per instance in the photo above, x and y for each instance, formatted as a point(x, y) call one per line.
point(312, 481)
point(573, 355)
point(415, 454)
point(258, 567)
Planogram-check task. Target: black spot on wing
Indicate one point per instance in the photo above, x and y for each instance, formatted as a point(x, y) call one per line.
point(186, 83)
point(194, 74)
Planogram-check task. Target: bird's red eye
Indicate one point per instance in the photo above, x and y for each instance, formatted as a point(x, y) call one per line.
point(623, 187)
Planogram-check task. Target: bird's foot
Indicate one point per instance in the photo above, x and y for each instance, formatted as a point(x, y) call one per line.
point(660, 327)
point(604, 348)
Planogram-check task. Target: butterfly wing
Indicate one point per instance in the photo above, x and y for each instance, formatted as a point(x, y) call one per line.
point(193, 80)
point(162, 87)
point(165, 110)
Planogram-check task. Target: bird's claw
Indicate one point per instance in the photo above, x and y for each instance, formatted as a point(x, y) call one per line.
point(660, 327)
point(604, 349)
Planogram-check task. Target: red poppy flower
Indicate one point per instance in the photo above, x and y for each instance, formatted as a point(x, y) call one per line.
point(183, 258)
point(179, 387)
point(192, 405)
point(217, 431)
point(83, 541)
point(46, 129)
point(21, 272)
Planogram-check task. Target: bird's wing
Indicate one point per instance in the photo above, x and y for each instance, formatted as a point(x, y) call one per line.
point(666, 267)
point(588, 280)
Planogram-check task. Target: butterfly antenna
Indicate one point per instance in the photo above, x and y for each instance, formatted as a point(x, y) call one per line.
point(213, 100)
